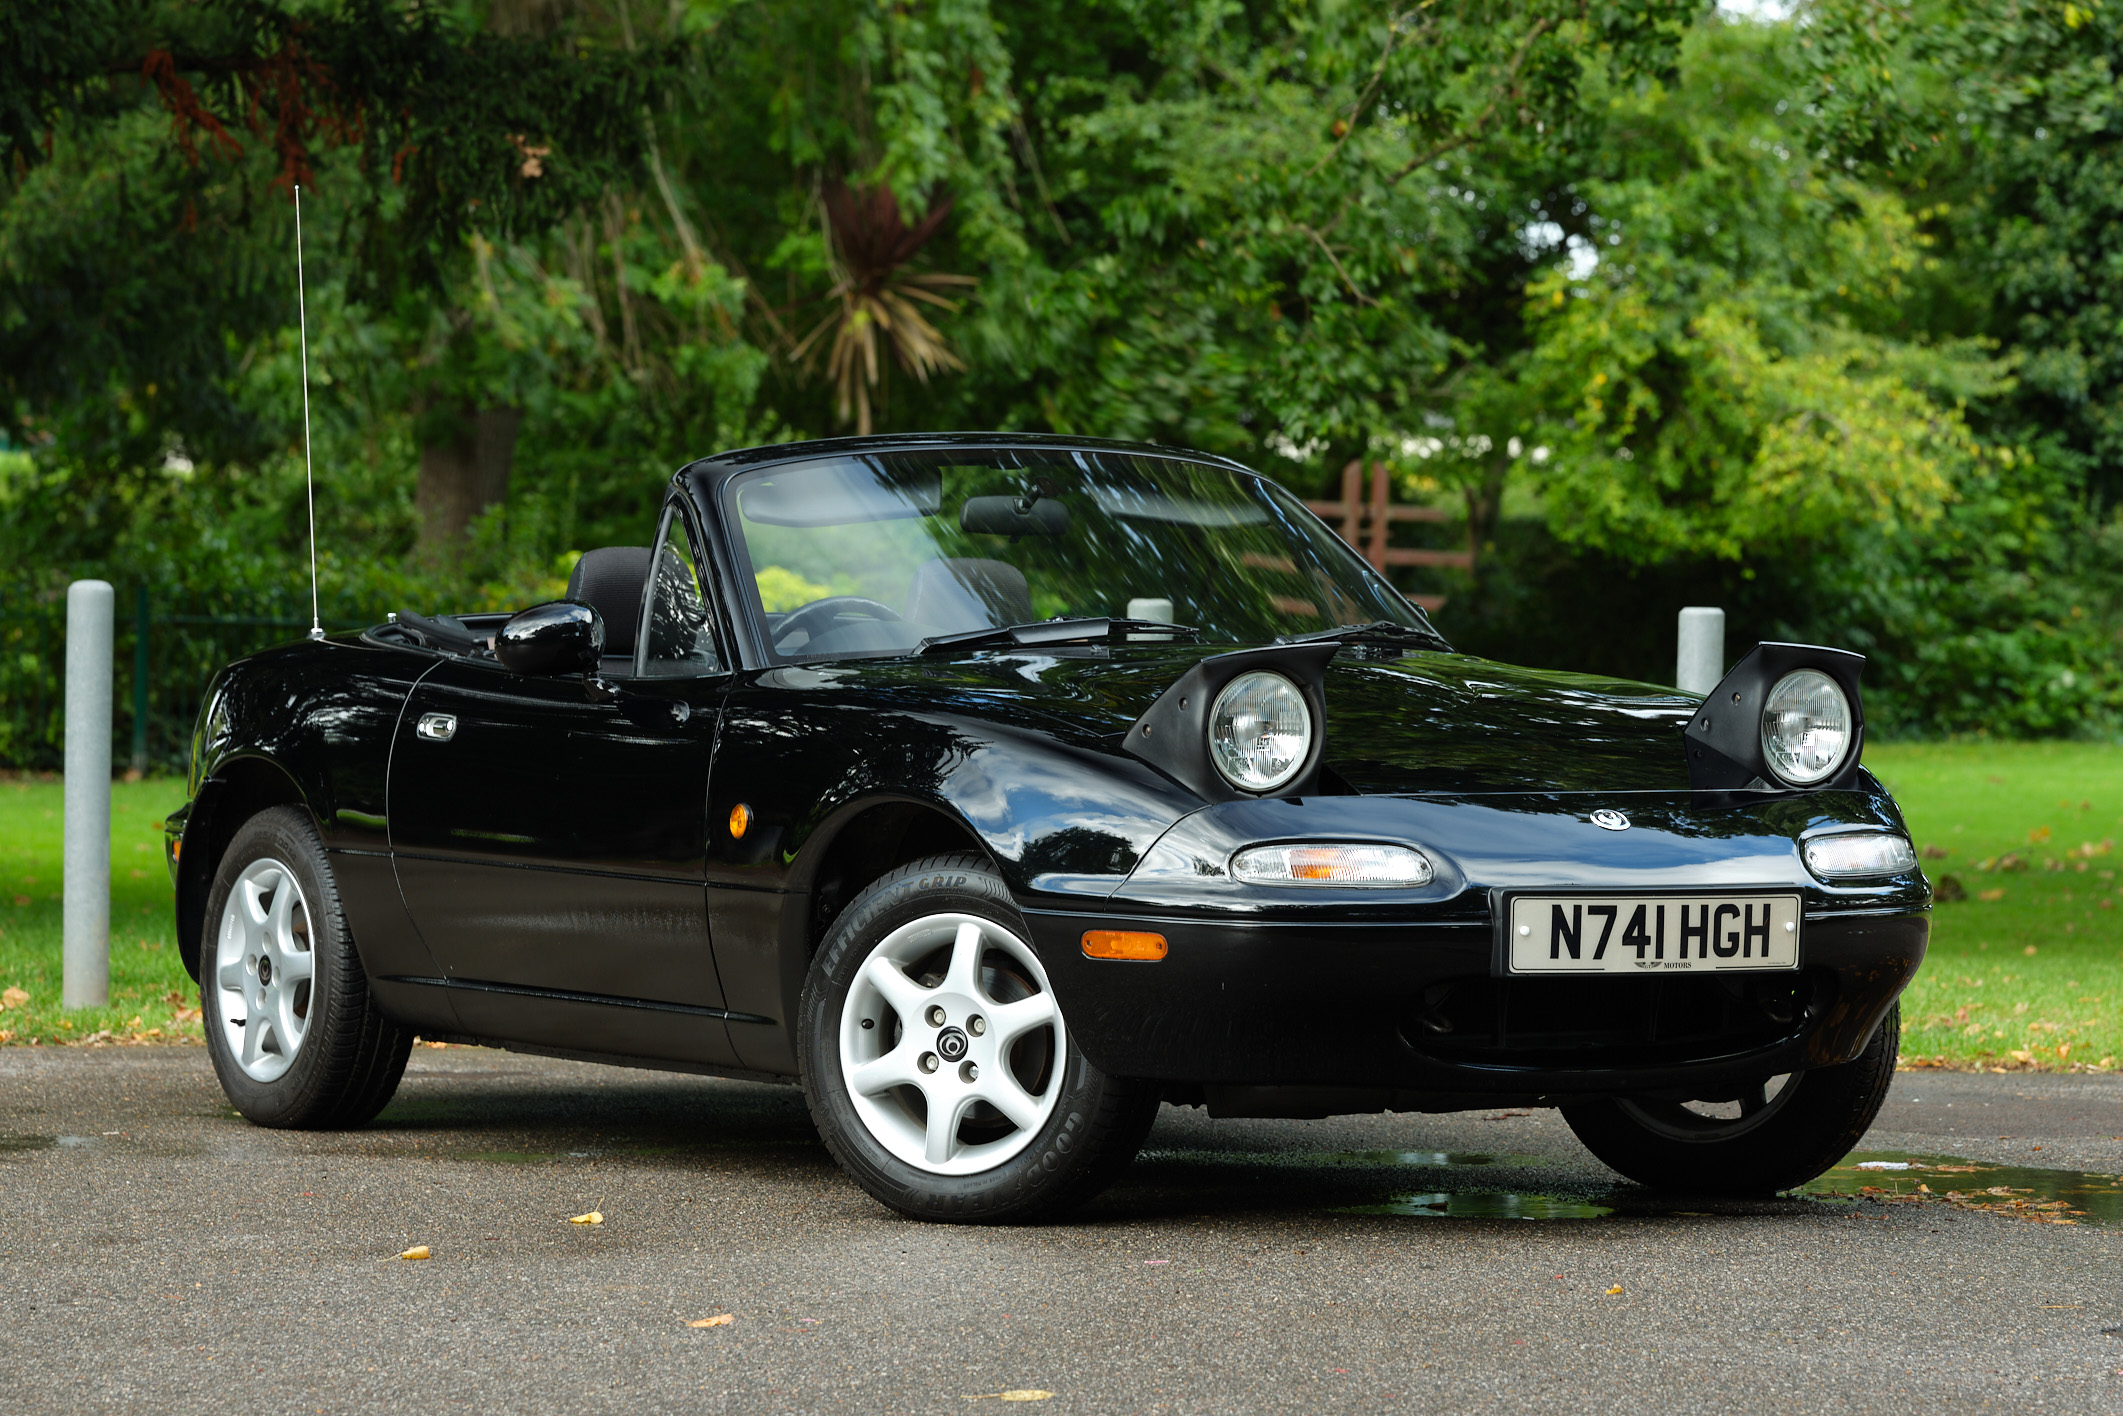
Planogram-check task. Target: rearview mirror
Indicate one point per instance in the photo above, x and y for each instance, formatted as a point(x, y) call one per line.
point(1011, 516)
point(561, 637)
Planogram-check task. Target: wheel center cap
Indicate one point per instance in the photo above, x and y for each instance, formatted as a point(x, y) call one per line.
point(951, 1044)
point(265, 971)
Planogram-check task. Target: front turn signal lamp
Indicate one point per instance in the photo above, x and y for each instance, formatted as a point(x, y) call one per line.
point(1333, 865)
point(1854, 854)
point(1136, 945)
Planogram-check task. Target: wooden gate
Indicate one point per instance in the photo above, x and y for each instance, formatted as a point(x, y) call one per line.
point(1366, 522)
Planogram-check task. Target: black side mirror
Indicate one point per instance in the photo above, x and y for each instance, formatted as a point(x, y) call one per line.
point(561, 637)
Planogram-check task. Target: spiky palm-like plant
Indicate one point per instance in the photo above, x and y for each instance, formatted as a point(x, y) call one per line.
point(869, 245)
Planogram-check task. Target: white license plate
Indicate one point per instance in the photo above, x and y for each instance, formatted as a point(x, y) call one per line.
point(1643, 934)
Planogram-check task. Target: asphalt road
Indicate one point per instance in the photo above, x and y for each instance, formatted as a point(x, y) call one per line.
point(157, 1253)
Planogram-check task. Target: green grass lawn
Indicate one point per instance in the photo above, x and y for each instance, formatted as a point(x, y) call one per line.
point(2026, 972)
point(151, 998)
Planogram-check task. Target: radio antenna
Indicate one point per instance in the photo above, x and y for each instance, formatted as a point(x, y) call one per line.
point(309, 473)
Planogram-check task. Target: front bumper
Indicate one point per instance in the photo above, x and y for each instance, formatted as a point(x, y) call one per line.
point(1245, 1004)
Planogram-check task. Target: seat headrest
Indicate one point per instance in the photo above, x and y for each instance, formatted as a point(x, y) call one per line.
point(611, 580)
point(968, 593)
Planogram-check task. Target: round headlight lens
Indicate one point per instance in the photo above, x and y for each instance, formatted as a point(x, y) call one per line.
point(1806, 727)
point(1260, 731)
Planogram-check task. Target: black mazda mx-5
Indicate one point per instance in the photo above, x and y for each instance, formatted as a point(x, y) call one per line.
point(997, 788)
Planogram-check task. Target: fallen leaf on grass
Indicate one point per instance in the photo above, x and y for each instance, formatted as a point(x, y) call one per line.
point(418, 1251)
point(13, 998)
point(1614, 1290)
point(719, 1320)
point(593, 1217)
point(1991, 895)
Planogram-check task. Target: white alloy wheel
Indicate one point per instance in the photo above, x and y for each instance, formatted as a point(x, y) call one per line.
point(264, 967)
point(951, 1046)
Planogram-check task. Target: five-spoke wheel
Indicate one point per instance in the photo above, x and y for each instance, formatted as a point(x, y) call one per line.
point(937, 1062)
point(1757, 1138)
point(950, 1044)
point(264, 965)
point(296, 1038)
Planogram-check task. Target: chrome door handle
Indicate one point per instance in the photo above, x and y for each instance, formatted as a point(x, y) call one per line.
point(437, 727)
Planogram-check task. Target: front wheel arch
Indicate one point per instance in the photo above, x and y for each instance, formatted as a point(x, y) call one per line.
point(865, 842)
point(238, 790)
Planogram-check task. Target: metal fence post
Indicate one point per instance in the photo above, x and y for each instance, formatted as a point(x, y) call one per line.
point(86, 913)
point(141, 620)
point(1700, 662)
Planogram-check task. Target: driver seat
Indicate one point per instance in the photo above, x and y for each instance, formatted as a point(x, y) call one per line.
point(611, 580)
point(965, 593)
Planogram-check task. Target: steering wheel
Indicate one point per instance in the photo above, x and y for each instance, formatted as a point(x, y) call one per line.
point(829, 608)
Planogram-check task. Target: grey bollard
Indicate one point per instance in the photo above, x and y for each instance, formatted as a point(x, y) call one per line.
point(86, 927)
point(1701, 660)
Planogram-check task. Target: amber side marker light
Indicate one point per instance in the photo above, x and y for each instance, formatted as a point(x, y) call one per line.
point(1124, 944)
point(740, 821)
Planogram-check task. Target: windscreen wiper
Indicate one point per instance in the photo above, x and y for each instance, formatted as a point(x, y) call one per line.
point(1066, 630)
point(1390, 630)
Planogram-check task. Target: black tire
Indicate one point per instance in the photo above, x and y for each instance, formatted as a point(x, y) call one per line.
point(1096, 1122)
point(1816, 1120)
point(349, 1057)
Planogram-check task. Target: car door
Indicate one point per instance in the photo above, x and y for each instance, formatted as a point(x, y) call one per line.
point(549, 835)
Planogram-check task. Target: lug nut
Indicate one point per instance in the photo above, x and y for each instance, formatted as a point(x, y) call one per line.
point(977, 1025)
point(928, 1062)
point(936, 1016)
point(967, 1072)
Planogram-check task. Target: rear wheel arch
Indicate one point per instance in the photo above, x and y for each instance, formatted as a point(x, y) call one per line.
point(238, 790)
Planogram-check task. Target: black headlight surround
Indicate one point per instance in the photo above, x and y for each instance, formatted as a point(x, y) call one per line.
point(1173, 733)
point(1724, 738)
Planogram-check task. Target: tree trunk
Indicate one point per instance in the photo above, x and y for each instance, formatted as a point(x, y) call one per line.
point(464, 474)
point(1484, 503)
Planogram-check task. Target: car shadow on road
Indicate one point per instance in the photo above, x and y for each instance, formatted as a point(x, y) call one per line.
point(511, 1115)
point(515, 1117)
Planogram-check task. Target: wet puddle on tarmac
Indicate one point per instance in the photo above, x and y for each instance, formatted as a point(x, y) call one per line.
point(13, 1144)
point(1471, 1201)
point(2023, 1192)
point(1485, 1204)
point(2019, 1192)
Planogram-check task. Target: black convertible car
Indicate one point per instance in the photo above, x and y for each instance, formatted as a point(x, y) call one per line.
point(998, 788)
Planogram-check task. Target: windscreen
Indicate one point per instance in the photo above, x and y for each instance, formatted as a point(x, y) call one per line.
point(870, 555)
